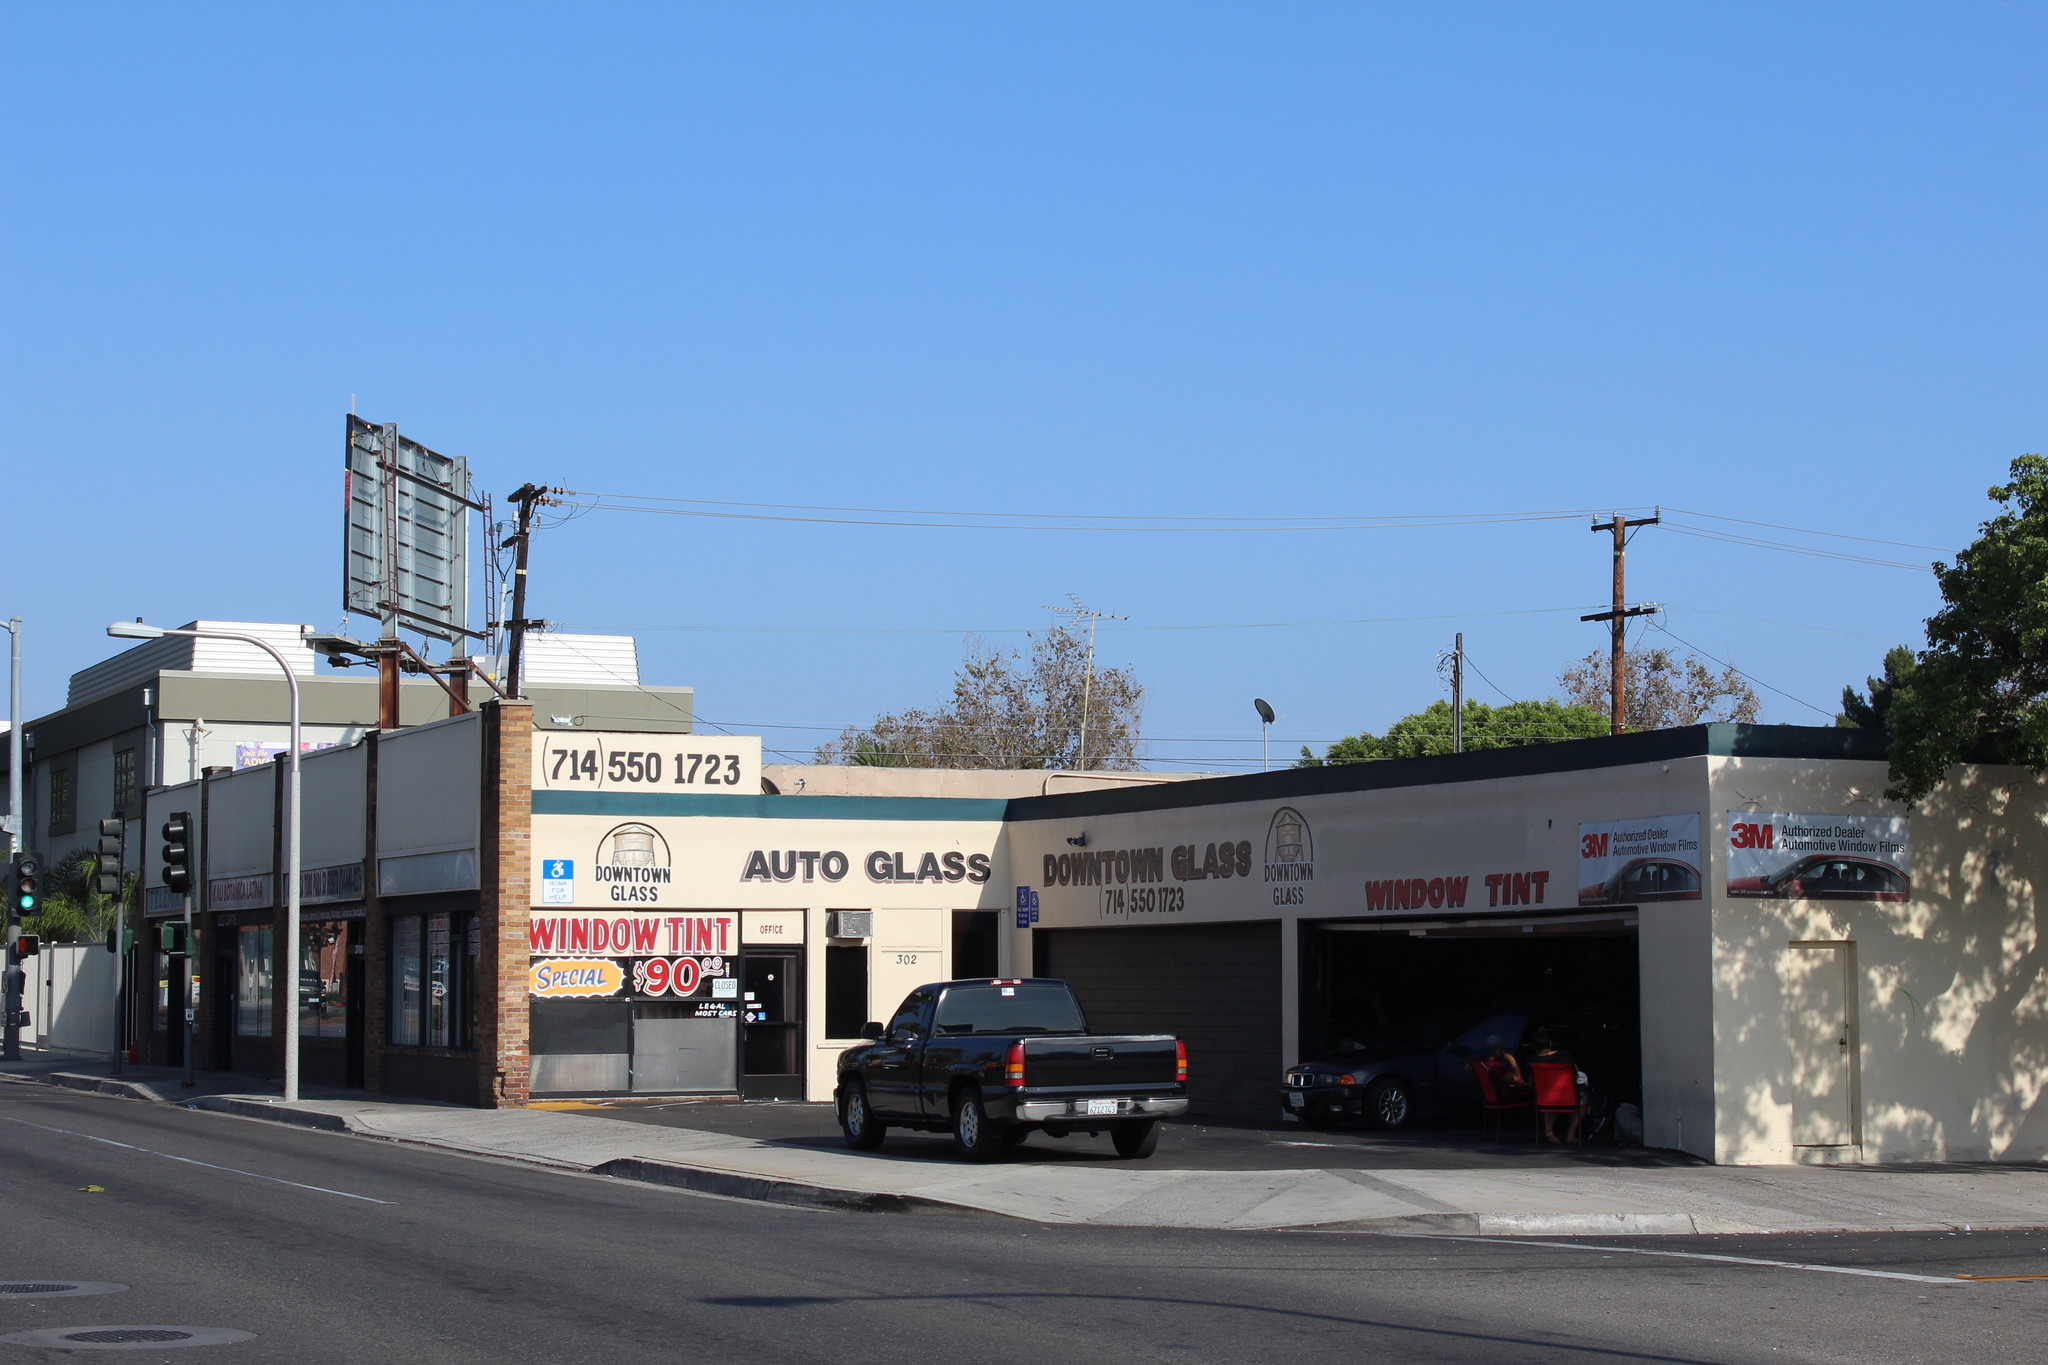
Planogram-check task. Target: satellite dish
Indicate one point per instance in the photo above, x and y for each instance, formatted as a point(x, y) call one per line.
point(1265, 711)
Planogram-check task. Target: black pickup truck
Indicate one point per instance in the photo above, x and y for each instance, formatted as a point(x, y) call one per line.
point(992, 1061)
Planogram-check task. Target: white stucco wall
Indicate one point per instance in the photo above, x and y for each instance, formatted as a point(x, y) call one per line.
point(1950, 989)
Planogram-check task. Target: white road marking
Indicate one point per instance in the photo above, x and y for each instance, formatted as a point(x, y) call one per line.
point(1712, 1256)
point(231, 1170)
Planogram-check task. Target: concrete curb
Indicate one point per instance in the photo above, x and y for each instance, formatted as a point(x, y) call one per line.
point(272, 1110)
point(770, 1191)
point(105, 1085)
point(1525, 1225)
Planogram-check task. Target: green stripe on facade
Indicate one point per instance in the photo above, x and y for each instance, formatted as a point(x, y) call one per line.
point(763, 807)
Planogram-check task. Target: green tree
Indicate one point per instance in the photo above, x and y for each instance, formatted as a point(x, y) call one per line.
point(1486, 727)
point(1861, 712)
point(1981, 685)
point(1010, 710)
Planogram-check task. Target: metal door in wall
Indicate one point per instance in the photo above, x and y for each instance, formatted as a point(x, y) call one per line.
point(771, 1052)
point(1215, 985)
point(673, 1051)
point(1820, 1028)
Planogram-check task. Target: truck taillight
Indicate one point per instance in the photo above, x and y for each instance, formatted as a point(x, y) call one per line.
point(1013, 1072)
point(1180, 1062)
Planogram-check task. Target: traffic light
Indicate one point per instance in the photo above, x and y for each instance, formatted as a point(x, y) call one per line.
point(172, 939)
point(26, 945)
point(24, 880)
point(178, 852)
point(112, 857)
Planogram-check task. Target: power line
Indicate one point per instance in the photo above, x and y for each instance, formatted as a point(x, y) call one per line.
point(1389, 519)
point(1028, 630)
point(1488, 681)
point(1740, 673)
point(1728, 538)
point(1801, 530)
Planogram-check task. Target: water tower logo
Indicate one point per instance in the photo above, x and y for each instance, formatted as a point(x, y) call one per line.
point(633, 863)
point(1290, 848)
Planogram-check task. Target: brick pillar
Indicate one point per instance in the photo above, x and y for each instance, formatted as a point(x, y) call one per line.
point(506, 868)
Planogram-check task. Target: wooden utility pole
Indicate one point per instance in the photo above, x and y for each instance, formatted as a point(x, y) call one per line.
point(528, 496)
point(1458, 696)
point(1618, 618)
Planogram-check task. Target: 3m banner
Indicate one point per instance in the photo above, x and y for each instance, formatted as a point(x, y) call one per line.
point(1627, 862)
point(1819, 857)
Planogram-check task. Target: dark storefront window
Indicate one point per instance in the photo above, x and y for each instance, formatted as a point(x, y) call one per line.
point(124, 780)
point(63, 816)
point(432, 961)
point(253, 971)
point(846, 989)
point(323, 979)
point(974, 943)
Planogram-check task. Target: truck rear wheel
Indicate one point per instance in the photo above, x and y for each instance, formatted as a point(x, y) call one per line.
point(857, 1121)
point(976, 1137)
point(1136, 1141)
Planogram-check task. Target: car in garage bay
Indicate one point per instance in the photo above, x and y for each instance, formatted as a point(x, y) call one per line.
point(1394, 1079)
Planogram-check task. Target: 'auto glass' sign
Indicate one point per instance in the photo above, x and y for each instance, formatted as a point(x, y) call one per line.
point(1628, 862)
point(1819, 857)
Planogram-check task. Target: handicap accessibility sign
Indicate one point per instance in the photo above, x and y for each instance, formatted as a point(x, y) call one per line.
point(557, 881)
point(1027, 907)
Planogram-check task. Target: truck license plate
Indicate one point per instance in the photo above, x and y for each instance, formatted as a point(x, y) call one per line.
point(1297, 1100)
point(1102, 1106)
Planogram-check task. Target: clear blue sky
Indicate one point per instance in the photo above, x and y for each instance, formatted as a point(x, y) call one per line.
point(1773, 262)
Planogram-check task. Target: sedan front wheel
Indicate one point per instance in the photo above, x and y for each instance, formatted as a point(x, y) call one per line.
point(1390, 1104)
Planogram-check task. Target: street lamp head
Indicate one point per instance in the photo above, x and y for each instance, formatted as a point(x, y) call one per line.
point(1265, 710)
point(135, 630)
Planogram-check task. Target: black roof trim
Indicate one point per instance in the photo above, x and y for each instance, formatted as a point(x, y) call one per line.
point(1576, 755)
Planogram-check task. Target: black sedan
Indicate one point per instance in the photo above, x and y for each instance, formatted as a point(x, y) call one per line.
point(1393, 1080)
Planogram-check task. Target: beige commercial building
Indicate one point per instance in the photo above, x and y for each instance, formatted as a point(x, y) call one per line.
point(1730, 925)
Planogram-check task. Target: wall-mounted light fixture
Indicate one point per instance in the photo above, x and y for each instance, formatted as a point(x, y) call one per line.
point(1079, 840)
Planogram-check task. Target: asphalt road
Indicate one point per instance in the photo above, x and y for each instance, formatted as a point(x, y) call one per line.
point(1184, 1145)
point(402, 1254)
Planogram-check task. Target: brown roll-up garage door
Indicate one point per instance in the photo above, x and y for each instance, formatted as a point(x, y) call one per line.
point(1215, 985)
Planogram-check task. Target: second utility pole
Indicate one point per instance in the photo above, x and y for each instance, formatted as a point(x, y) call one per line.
point(1618, 665)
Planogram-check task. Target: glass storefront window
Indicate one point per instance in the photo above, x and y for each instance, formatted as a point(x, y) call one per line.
point(323, 979)
point(405, 980)
point(252, 981)
point(430, 976)
point(441, 982)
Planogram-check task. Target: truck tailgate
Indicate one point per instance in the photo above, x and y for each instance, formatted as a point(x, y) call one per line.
point(1100, 1063)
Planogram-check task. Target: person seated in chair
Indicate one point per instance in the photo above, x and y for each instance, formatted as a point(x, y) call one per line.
point(1549, 1051)
point(1502, 1070)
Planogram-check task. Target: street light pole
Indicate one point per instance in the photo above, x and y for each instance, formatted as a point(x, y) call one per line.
point(15, 828)
point(135, 630)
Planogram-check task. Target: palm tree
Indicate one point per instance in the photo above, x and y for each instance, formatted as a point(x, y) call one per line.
point(72, 911)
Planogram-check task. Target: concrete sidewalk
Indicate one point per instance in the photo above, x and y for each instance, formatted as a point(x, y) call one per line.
point(1538, 1201)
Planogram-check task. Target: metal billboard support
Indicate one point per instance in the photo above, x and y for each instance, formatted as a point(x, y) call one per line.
point(405, 556)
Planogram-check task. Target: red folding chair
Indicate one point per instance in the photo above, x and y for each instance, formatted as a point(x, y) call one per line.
point(1490, 1102)
point(1557, 1089)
